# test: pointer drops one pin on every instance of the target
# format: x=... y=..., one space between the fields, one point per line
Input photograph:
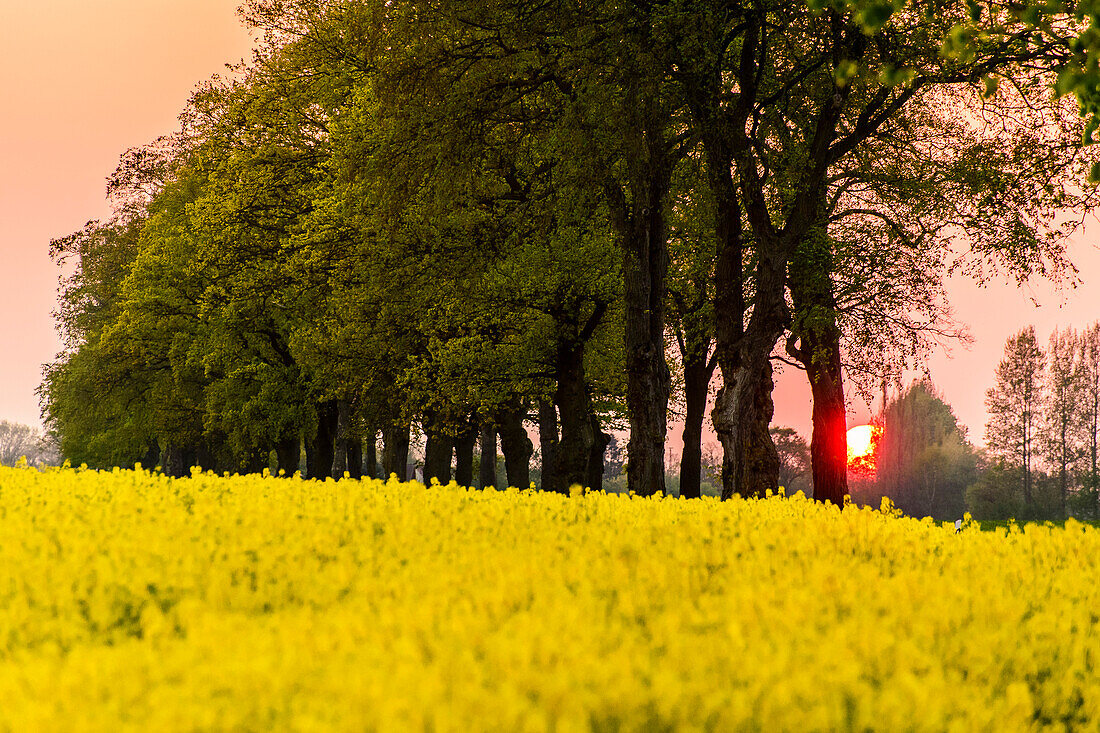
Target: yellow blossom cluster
x=132 y=601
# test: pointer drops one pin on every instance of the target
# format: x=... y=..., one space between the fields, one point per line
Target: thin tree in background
x=1062 y=417
x=1015 y=406
x=1088 y=370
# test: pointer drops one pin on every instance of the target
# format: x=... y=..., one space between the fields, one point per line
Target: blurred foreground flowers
x=133 y=601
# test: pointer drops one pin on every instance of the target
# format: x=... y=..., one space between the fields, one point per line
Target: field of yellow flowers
x=131 y=601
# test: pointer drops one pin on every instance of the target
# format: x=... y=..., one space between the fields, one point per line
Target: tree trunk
x=256 y=460
x=829 y=442
x=370 y=455
x=487 y=464
x=464 y=455
x=309 y=457
x=578 y=435
x=177 y=460
x=288 y=454
x=395 y=450
x=438 y=449
x=152 y=456
x=640 y=229
x=355 y=458
x=645 y=272
x=696 y=386
x=819 y=352
x=743 y=408
x=548 y=446
x=320 y=458
x=340 y=439
x=596 y=456
x=515 y=444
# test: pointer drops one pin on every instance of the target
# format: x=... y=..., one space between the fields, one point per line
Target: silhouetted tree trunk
x=288 y=454
x=395 y=450
x=151 y=459
x=515 y=444
x=548 y=446
x=355 y=458
x=743 y=406
x=464 y=454
x=828 y=444
x=594 y=479
x=322 y=449
x=340 y=439
x=578 y=425
x=178 y=460
x=697 y=373
x=487 y=464
x=438 y=449
x=640 y=228
x=819 y=352
x=256 y=460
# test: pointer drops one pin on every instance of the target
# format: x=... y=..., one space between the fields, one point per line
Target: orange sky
x=82 y=80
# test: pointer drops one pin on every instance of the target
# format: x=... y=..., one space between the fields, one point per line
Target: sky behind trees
x=85 y=81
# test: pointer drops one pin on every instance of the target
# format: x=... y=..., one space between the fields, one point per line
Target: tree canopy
x=456 y=220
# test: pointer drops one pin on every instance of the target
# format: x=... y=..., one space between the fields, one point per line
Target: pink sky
x=83 y=81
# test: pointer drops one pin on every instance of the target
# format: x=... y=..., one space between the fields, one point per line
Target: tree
x=1062 y=419
x=22 y=441
x=691 y=311
x=1088 y=378
x=794 y=459
x=812 y=91
x=996 y=493
x=1015 y=405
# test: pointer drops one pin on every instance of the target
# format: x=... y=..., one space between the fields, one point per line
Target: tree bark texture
x=644 y=245
x=743 y=408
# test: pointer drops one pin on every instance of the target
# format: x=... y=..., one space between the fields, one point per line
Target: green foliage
x=416 y=206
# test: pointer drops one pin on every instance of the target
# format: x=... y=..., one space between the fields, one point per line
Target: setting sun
x=862 y=440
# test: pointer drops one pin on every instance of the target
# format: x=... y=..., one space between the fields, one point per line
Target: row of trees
x=1042 y=439
x=23 y=442
x=1044 y=424
x=477 y=216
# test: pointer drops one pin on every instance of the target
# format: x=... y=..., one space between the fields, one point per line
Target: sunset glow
x=862 y=441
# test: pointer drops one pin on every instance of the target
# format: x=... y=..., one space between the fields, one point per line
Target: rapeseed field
x=131 y=601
